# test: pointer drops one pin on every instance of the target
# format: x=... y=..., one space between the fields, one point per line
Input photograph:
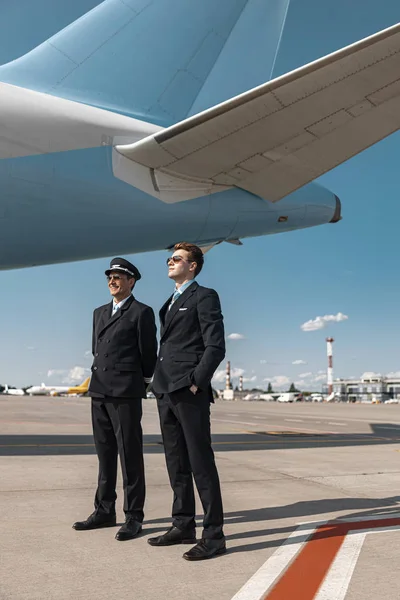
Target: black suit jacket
x=192 y=343
x=124 y=350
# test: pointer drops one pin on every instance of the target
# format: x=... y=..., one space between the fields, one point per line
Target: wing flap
x=283 y=134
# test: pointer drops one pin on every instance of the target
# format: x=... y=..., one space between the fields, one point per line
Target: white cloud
x=76 y=374
x=300 y=383
x=263 y=362
x=305 y=375
x=56 y=372
x=278 y=380
x=30 y=348
x=370 y=375
x=88 y=354
x=393 y=374
x=299 y=362
x=321 y=377
x=237 y=372
x=249 y=379
x=321 y=322
x=236 y=336
x=219 y=376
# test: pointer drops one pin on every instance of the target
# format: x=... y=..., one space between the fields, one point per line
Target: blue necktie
x=175 y=296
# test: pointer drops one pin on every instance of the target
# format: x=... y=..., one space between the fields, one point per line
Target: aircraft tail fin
x=156 y=60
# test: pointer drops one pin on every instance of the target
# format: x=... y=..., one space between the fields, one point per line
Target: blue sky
x=268 y=287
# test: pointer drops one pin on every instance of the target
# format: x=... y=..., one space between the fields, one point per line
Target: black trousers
x=117 y=430
x=185 y=427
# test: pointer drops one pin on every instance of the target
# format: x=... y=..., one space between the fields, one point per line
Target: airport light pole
x=329 y=347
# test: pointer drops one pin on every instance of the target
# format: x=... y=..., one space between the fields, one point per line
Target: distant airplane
x=55 y=390
x=147 y=122
x=79 y=390
x=13 y=391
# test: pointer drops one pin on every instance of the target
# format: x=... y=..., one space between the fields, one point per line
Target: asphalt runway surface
x=250 y=426
x=311 y=495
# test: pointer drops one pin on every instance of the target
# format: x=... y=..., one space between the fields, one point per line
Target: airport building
x=370 y=388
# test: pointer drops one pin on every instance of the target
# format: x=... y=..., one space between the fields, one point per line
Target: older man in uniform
x=125 y=351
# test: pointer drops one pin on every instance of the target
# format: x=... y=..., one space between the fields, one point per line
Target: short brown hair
x=195 y=254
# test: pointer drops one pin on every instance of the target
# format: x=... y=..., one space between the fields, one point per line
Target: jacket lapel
x=108 y=320
x=163 y=311
x=169 y=315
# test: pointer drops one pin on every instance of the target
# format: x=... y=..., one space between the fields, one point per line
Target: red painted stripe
x=304 y=576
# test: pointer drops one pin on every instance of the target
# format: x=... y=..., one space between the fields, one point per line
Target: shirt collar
x=119 y=304
x=184 y=287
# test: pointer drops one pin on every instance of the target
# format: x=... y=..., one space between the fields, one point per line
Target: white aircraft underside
x=82 y=181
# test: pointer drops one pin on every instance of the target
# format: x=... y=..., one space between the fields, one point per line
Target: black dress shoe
x=95 y=521
x=174 y=536
x=129 y=530
x=206 y=549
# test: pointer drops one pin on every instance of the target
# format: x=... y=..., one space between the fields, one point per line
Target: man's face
x=179 y=267
x=119 y=285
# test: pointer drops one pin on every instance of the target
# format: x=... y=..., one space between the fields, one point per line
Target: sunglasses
x=176 y=259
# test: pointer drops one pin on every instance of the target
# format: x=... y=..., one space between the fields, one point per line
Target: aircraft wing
x=279 y=136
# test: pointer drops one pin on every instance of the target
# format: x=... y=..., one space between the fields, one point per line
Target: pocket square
x=183 y=309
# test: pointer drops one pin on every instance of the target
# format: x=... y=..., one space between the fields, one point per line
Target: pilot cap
x=123 y=265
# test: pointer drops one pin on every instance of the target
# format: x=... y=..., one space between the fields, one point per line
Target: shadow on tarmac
x=41 y=445
x=378 y=507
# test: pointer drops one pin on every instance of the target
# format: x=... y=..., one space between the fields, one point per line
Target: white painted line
x=216 y=420
x=231 y=415
x=340 y=424
x=263 y=580
x=338 y=578
x=381 y=529
x=339 y=520
x=294 y=420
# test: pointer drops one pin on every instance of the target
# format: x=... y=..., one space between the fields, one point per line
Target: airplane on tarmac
x=78 y=390
x=56 y=390
x=13 y=391
x=145 y=122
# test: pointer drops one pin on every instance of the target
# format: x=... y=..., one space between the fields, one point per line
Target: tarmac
x=311 y=496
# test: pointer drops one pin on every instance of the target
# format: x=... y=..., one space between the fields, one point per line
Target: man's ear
x=193 y=266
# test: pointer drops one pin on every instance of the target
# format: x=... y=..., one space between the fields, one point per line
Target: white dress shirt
x=117 y=305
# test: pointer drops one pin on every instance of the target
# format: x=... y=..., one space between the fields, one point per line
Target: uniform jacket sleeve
x=147 y=342
x=212 y=330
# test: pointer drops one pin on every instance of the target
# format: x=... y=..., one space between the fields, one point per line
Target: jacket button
x=161 y=358
x=106 y=356
x=104 y=368
x=100 y=339
x=108 y=341
x=94 y=368
x=96 y=354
